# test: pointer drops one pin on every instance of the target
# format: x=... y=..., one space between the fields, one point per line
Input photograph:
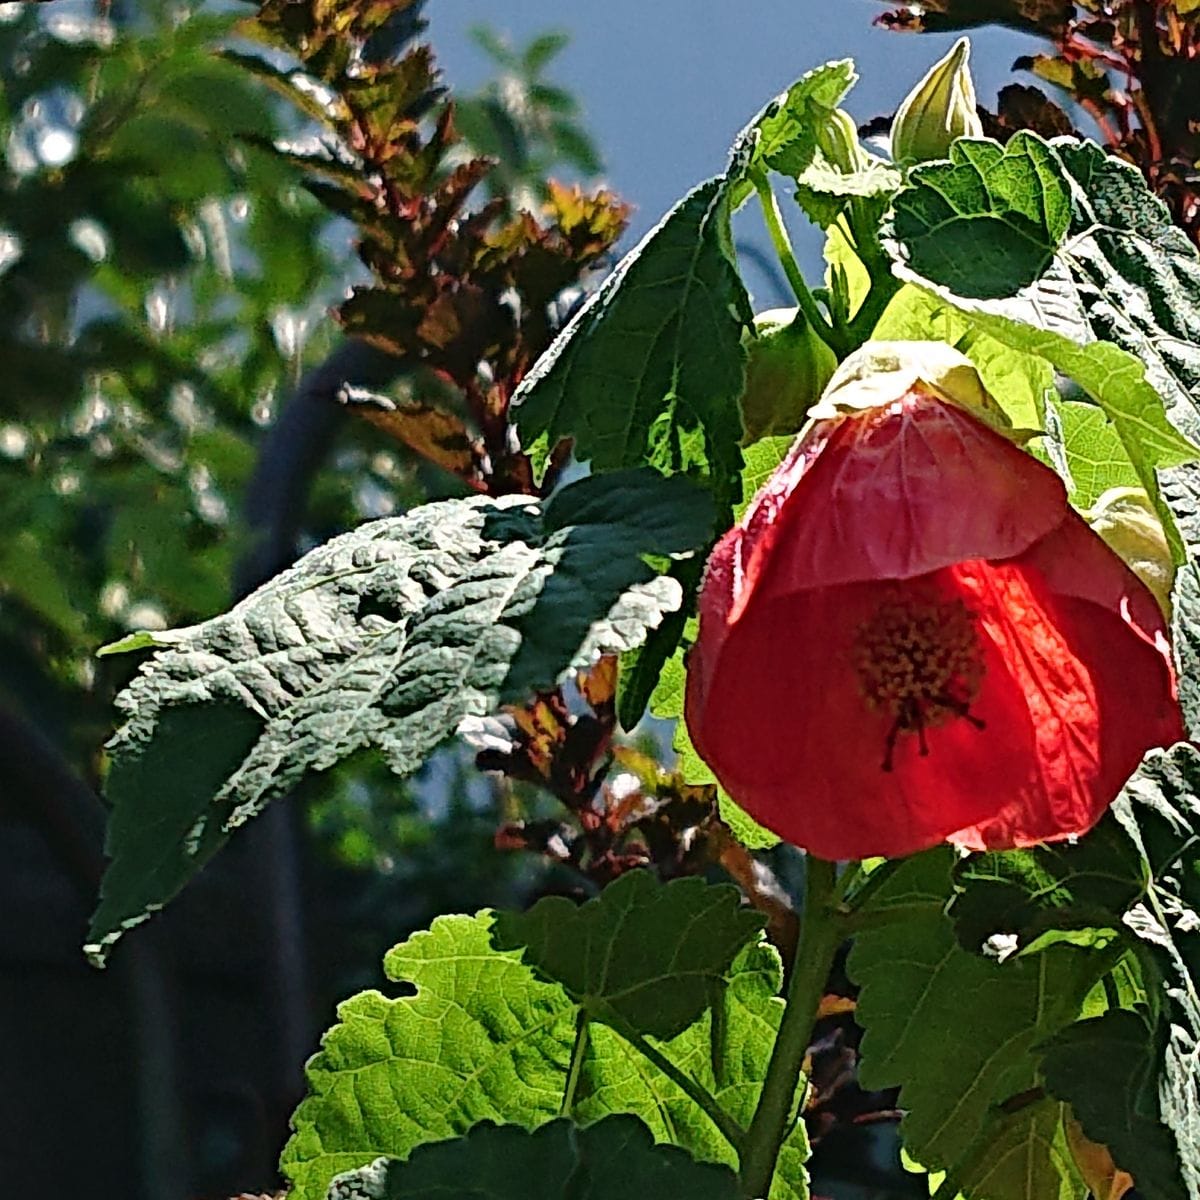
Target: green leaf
x=312 y=97
x=1131 y=1074
x=30 y=574
x=1063 y=252
x=1086 y=449
x=787 y=129
x=762 y=459
x=726 y=1052
x=482 y=1039
x=559 y=1161
x=987 y=223
x=642 y=668
x=667 y=702
x=1062 y=886
x=1027 y=1157
x=381 y=1085
x=1149 y=1073
x=957 y=1072
x=195 y=748
x=537 y=55
x=1021 y=383
x=391 y=636
x=1108 y=1067
x=651 y=368
x=641 y=956
x=1181 y=492
x=823 y=189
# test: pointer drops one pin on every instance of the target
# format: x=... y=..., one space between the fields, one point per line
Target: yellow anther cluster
x=918 y=658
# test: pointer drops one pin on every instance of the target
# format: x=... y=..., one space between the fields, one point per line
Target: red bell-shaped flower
x=911 y=638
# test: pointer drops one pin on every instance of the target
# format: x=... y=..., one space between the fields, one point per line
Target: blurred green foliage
x=165 y=281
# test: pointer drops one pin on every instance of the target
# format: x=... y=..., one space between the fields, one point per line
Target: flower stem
x=820 y=936
x=787 y=259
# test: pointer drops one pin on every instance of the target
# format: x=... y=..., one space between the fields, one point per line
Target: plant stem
x=820 y=936
x=577 y=1055
x=787 y=259
x=731 y=1131
x=863 y=323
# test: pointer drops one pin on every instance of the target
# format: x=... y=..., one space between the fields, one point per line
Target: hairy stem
x=787 y=259
x=820 y=936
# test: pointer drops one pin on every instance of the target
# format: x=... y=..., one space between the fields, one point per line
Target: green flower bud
x=839 y=143
x=939 y=109
x=786 y=371
x=1125 y=518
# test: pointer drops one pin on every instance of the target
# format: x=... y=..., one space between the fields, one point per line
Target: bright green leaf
x=1020 y=383
x=482 y=1039
x=787 y=129
x=1086 y=448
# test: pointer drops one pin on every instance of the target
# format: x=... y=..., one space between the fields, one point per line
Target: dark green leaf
x=391 y=636
x=650 y=369
x=1108 y=1068
x=1181 y=492
x=641 y=956
x=180 y=772
x=559 y=1161
x=542 y=49
x=1062 y=886
x=955 y=1071
x=310 y=96
x=1062 y=251
x=1133 y=1078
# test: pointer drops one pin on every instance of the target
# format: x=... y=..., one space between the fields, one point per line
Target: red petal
x=1099 y=690
x=1077 y=684
x=893 y=494
x=783 y=723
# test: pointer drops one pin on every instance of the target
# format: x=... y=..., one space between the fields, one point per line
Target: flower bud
x=939 y=109
x=1125 y=518
x=786 y=371
x=839 y=143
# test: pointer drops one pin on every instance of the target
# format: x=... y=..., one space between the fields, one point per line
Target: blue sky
x=666 y=84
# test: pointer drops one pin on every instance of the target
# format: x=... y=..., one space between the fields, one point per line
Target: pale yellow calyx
x=1125 y=518
x=880 y=373
x=939 y=109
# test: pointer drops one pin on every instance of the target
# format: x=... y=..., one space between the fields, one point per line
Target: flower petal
x=1099 y=693
x=781 y=718
x=895 y=493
